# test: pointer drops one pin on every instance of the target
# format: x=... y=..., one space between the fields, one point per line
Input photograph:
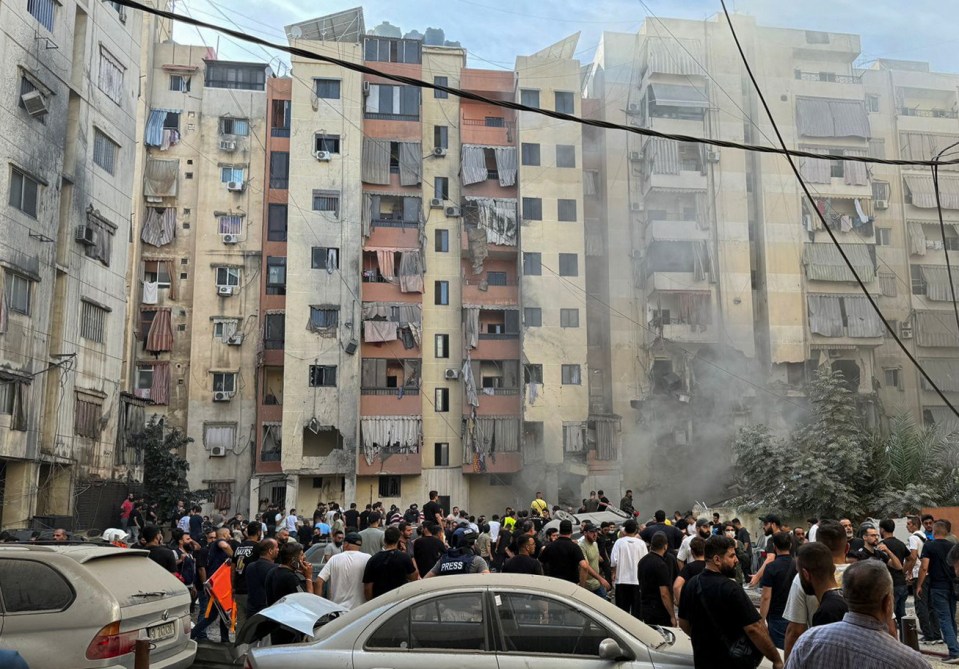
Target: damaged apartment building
x=735 y=287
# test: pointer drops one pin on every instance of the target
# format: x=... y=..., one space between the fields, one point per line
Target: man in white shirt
x=344 y=574
x=624 y=559
x=813 y=529
x=703 y=530
x=290 y=523
x=928 y=621
x=494 y=529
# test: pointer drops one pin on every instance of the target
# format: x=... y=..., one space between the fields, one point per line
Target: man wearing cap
x=772 y=525
x=590 y=547
x=344 y=574
x=460 y=560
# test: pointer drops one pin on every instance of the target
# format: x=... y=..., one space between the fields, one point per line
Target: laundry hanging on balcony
x=392 y=434
x=156 y=133
x=160 y=178
x=411 y=272
x=159 y=228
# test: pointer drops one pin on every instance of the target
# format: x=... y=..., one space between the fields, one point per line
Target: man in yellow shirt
x=539 y=507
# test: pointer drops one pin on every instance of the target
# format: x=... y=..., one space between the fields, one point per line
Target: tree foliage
x=830 y=465
x=164 y=470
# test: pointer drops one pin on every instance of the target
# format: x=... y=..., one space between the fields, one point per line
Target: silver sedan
x=489 y=621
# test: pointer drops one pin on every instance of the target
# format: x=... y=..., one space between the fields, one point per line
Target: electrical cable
x=822 y=218
x=942 y=229
x=516 y=106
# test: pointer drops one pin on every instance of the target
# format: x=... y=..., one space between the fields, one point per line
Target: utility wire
x=822 y=218
x=516 y=106
x=942 y=229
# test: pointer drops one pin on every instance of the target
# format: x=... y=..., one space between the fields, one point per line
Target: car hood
x=299 y=611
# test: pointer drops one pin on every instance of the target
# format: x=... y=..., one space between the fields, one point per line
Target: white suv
x=85 y=606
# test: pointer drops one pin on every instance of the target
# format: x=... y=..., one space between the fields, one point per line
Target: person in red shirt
x=125 y=510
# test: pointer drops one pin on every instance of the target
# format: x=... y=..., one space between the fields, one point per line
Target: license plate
x=163 y=631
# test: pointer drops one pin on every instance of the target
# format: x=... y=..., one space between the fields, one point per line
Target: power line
x=822 y=218
x=942 y=230
x=516 y=106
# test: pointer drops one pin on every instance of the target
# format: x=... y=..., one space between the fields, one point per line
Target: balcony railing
x=273 y=344
x=829 y=77
x=494 y=282
x=492 y=122
x=499 y=392
x=499 y=335
x=280 y=132
x=406 y=390
x=928 y=113
x=391 y=223
x=270 y=456
x=376 y=116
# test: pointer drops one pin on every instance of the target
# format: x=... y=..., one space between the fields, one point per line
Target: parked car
x=611 y=515
x=494 y=621
x=80 y=606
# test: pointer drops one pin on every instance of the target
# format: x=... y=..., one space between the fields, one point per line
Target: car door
x=441 y=630
x=541 y=630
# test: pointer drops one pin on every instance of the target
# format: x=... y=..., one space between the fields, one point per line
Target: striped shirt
x=858 y=641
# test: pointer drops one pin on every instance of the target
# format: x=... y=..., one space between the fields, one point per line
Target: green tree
x=164 y=470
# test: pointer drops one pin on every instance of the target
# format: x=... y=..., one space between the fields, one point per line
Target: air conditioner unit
x=452 y=374
x=453 y=212
x=882 y=204
x=222 y=396
x=235 y=340
x=436 y=203
x=633 y=108
x=34 y=103
x=217 y=452
x=152 y=199
x=366 y=88
x=635 y=155
x=227 y=145
x=86 y=235
x=637 y=206
x=439 y=152
x=236 y=186
x=230 y=239
x=224 y=291
x=712 y=156
x=323 y=156
x=905 y=331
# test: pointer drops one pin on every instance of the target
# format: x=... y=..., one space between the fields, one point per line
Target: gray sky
x=495 y=32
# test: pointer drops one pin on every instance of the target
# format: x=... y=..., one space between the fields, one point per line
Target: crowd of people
x=832 y=594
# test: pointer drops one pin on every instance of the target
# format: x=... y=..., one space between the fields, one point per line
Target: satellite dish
x=314 y=425
x=296 y=32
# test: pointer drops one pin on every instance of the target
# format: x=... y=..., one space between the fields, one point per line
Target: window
x=327 y=200
x=564 y=102
x=144 y=381
x=837 y=168
x=236 y=76
x=327 y=258
x=533 y=317
x=918 y=280
x=327 y=89
x=43 y=11
x=110 y=79
x=533 y=624
x=92 y=321
x=272 y=449
x=571 y=375
x=324 y=317
x=441 y=292
x=17 y=293
x=441 y=188
x=280 y=118
x=322 y=376
x=533 y=374
x=156 y=271
x=872 y=103
x=234 y=126
x=532 y=264
x=815 y=37
x=274 y=331
x=532 y=209
x=496 y=278
x=566 y=210
x=494 y=122
x=441 y=81
x=276 y=227
x=569 y=318
x=225 y=328
x=568 y=264
x=105 y=152
x=280 y=169
x=24 y=190
x=530 y=154
x=87 y=413
x=429 y=624
x=232 y=174
x=180 y=83
x=441 y=344
x=229 y=225
x=877 y=148
x=389 y=486
x=529 y=97
x=400 y=103
x=224 y=382
x=276 y=275
x=441 y=136
x=27 y=86
x=392 y=50
x=565 y=155
x=442 y=241
x=893 y=377
x=887 y=284
x=227 y=276
x=30 y=586
x=328 y=143
x=883 y=236
x=441 y=454
x=441 y=400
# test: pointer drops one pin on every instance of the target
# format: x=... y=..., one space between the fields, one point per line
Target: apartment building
x=69 y=143
x=195 y=281
x=725 y=292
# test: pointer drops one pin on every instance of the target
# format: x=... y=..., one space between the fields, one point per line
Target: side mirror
x=610 y=650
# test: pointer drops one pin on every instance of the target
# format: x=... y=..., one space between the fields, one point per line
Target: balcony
x=491 y=130
x=928 y=113
x=494 y=251
x=497 y=463
x=489 y=83
x=396 y=463
x=828 y=77
x=675 y=231
x=480 y=290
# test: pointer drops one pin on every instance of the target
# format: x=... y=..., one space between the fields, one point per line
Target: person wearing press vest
x=460 y=560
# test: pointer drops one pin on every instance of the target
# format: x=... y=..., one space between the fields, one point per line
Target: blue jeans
x=777 y=630
x=601 y=591
x=944 y=604
x=900 y=595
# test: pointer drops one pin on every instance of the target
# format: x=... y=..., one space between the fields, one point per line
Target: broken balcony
x=683 y=317
x=390 y=445
x=681 y=266
x=673 y=165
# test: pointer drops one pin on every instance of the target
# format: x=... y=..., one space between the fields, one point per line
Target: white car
x=81 y=606
x=480 y=621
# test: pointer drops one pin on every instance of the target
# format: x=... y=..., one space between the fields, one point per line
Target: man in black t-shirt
x=523 y=562
x=256 y=572
x=292 y=574
x=365 y=517
x=674 y=537
x=817 y=576
x=697 y=547
x=937 y=568
x=351 y=518
x=432 y=511
x=776 y=582
x=563 y=558
x=900 y=551
x=243 y=556
x=388 y=569
x=428 y=548
x=162 y=555
x=713 y=607
x=655 y=584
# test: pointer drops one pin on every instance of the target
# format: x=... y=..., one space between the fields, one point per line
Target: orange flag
x=220 y=587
